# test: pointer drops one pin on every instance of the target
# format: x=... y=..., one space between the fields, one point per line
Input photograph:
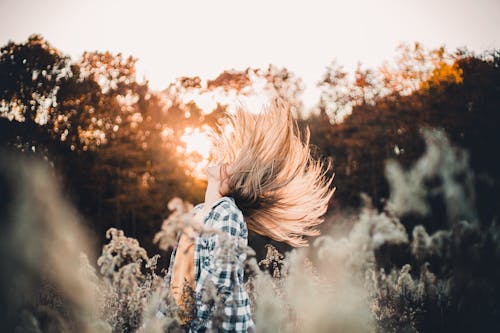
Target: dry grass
x=385 y=273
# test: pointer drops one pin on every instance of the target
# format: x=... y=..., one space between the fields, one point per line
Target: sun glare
x=196 y=145
x=252 y=97
x=197 y=149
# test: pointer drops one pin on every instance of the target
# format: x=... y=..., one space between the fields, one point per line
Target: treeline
x=458 y=92
x=114 y=142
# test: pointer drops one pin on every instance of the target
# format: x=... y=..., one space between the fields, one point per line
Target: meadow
x=98 y=174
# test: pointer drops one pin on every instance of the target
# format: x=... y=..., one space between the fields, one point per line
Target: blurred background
x=117 y=96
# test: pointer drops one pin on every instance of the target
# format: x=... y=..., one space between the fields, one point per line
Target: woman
x=264 y=180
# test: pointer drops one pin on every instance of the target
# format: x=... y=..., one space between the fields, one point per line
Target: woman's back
x=218 y=269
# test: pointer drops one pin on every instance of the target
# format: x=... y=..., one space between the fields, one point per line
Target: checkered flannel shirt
x=225 y=275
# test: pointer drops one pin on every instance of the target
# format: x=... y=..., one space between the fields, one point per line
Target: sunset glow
x=197 y=149
x=253 y=96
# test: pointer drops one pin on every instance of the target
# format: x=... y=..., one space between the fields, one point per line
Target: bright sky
x=187 y=38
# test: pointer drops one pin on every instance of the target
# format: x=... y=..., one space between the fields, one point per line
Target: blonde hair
x=282 y=191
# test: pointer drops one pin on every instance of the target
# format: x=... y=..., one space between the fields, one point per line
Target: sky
x=204 y=38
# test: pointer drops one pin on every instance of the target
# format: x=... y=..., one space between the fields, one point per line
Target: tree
x=30 y=74
x=457 y=96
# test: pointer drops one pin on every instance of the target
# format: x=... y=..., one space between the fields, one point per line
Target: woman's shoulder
x=222 y=204
x=227 y=206
x=226 y=216
x=227 y=203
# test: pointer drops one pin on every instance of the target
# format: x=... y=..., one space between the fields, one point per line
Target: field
x=98 y=172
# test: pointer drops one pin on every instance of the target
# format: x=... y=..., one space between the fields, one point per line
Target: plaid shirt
x=220 y=268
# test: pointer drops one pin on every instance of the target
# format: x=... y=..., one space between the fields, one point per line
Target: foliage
x=102 y=131
x=116 y=144
x=386 y=274
x=457 y=92
x=41 y=289
x=423 y=256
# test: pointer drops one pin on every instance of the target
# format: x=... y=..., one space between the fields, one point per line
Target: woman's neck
x=212 y=193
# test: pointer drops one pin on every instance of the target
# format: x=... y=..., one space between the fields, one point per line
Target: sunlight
x=197 y=141
x=197 y=149
x=206 y=101
x=252 y=97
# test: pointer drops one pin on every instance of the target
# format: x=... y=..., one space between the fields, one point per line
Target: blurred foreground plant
x=41 y=240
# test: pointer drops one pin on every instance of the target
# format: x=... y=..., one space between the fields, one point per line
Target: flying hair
x=282 y=191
